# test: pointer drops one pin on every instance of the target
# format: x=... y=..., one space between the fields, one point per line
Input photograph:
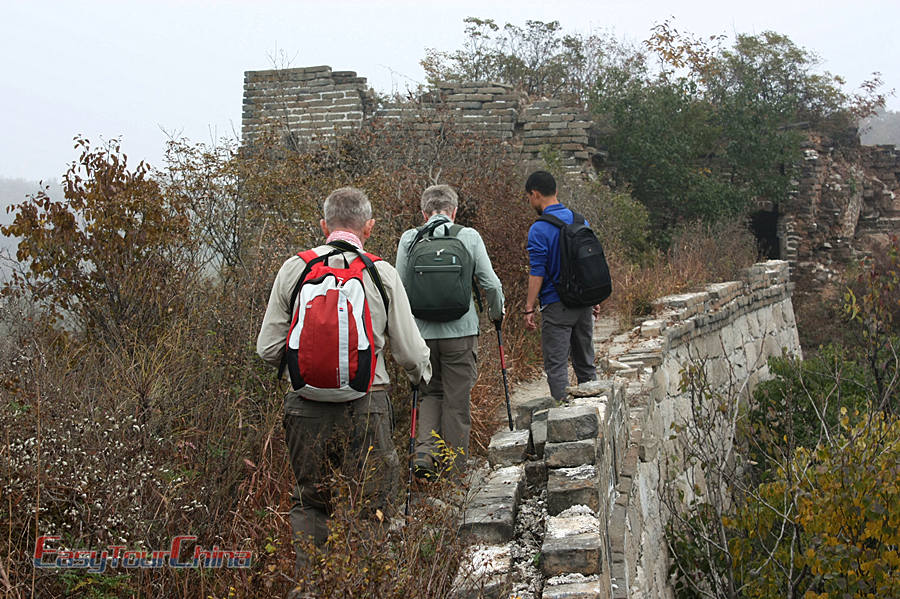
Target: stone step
x=572 y=586
x=573 y=423
x=572 y=543
x=571 y=453
x=490 y=515
x=567 y=487
x=524 y=412
x=483 y=572
x=508 y=448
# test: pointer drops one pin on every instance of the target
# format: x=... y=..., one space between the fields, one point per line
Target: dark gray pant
x=444 y=405
x=351 y=440
x=567 y=332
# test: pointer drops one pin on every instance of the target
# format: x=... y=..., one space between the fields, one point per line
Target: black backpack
x=439 y=274
x=583 y=273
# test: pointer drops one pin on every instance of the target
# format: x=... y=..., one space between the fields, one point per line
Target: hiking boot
x=423 y=467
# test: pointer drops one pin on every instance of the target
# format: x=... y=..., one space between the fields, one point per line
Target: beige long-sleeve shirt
x=396 y=323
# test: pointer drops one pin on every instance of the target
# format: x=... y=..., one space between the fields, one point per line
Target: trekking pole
x=412 y=443
x=497 y=324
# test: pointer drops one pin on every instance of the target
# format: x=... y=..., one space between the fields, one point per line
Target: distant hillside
x=883 y=128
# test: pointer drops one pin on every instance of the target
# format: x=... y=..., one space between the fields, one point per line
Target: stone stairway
x=560 y=461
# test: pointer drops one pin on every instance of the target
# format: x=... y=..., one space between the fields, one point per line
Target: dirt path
x=604 y=328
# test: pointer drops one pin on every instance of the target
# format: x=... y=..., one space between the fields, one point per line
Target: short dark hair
x=543 y=182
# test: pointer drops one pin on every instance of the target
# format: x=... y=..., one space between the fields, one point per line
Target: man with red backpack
x=330 y=313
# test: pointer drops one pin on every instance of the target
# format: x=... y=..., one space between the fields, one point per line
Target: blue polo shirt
x=543 y=252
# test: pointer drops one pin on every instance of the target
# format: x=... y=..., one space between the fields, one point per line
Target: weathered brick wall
x=310 y=105
x=306 y=105
x=847 y=200
x=733 y=328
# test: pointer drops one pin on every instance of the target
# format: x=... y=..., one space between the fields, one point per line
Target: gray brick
x=569 y=454
x=572 y=486
x=573 y=423
x=509 y=447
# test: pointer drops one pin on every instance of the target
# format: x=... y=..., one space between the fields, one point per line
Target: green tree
x=538 y=59
x=715 y=128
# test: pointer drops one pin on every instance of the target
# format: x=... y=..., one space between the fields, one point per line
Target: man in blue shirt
x=564 y=331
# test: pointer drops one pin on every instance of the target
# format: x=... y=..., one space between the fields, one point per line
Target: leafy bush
x=808 y=505
x=811 y=394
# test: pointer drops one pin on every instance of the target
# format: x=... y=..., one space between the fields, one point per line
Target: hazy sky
x=140 y=70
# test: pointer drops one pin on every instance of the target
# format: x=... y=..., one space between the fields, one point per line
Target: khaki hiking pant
x=350 y=439
x=444 y=401
x=567 y=332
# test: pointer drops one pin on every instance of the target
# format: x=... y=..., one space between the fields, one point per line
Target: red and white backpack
x=330 y=348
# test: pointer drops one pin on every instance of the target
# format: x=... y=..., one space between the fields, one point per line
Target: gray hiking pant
x=444 y=404
x=567 y=332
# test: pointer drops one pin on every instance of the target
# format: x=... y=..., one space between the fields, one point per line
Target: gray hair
x=347 y=208
x=439 y=198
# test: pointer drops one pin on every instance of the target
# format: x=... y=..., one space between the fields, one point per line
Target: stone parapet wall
x=563 y=128
x=603 y=460
x=731 y=328
x=305 y=105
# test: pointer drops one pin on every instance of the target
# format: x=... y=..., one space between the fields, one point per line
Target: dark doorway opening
x=764 y=224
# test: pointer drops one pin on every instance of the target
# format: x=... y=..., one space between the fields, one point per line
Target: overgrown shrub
x=699 y=254
x=148 y=415
x=808 y=504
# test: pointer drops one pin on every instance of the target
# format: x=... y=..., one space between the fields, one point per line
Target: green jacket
x=487 y=280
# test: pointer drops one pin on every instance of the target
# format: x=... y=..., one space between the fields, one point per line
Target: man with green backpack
x=439 y=264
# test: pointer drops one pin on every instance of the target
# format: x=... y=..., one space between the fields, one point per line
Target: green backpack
x=439 y=274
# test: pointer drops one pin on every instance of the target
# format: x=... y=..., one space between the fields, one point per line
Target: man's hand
x=529 y=320
x=595 y=310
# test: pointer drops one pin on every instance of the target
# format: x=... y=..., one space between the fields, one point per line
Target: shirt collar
x=344 y=236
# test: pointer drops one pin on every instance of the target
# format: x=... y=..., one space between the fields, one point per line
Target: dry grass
x=700 y=254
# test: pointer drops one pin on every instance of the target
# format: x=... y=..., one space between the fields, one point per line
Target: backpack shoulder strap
x=311 y=258
x=553 y=220
x=453 y=230
x=427 y=229
x=369 y=261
